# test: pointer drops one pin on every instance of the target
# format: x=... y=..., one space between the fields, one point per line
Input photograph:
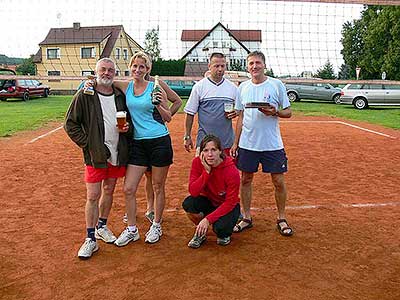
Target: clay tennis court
x=344 y=204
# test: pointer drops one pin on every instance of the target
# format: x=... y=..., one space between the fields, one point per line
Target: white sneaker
x=87 y=249
x=224 y=241
x=105 y=235
x=154 y=234
x=126 y=237
x=196 y=241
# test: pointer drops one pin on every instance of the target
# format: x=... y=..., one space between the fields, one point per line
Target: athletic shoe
x=154 y=234
x=223 y=241
x=126 y=237
x=150 y=216
x=125 y=218
x=105 y=235
x=196 y=241
x=87 y=249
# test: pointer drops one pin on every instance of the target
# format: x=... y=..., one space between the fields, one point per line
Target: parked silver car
x=312 y=91
x=363 y=95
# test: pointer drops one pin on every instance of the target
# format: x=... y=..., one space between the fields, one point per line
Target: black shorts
x=151 y=152
x=223 y=227
x=271 y=161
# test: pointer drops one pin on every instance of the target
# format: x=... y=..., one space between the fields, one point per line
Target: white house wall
x=219 y=40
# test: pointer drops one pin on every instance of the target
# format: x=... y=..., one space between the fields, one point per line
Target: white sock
x=156 y=224
x=132 y=228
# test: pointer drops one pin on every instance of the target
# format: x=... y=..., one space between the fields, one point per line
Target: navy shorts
x=271 y=161
x=155 y=152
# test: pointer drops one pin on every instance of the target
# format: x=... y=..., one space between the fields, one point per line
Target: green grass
x=16 y=115
x=385 y=116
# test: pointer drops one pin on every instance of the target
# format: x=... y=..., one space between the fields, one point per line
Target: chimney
x=77 y=26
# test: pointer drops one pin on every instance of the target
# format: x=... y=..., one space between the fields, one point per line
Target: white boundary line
x=43 y=135
x=344 y=123
x=305 y=207
x=328 y=122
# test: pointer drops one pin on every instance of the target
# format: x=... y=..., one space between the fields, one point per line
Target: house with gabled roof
x=75 y=51
x=198 y=45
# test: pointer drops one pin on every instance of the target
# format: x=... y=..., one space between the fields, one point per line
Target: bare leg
x=149 y=192
x=93 y=194
x=106 y=199
x=132 y=179
x=280 y=193
x=280 y=197
x=159 y=178
x=246 y=193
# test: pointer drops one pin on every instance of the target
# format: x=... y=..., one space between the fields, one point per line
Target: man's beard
x=105 y=81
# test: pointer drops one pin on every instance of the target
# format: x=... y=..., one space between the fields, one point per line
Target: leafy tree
x=236 y=66
x=345 y=72
x=27 y=67
x=269 y=72
x=152 y=43
x=326 y=71
x=373 y=42
x=168 y=67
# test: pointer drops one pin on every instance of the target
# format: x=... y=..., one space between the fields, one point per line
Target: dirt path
x=339 y=251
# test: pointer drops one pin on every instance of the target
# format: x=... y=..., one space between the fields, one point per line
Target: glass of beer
x=121 y=119
x=228 y=108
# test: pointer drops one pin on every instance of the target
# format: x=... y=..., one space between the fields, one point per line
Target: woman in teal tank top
x=151 y=146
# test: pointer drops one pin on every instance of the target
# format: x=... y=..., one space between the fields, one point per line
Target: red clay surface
x=337 y=252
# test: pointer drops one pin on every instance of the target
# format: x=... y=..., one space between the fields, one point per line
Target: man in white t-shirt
x=91 y=123
x=258 y=140
x=210 y=98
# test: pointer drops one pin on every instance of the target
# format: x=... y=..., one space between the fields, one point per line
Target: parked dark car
x=21 y=88
x=181 y=87
x=313 y=91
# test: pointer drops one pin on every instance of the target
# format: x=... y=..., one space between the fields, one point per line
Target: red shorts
x=93 y=175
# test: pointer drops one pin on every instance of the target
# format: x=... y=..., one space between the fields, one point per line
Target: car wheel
x=25 y=96
x=46 y=93
x=292 y=97
x=360 y=103
x=336 y=99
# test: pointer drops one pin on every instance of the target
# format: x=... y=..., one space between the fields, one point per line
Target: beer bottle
x=156 y=89
x=90 y=89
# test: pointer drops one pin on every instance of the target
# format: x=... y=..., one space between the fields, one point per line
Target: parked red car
x=21 y=88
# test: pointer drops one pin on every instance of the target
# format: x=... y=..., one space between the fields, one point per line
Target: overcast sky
x=295 y=36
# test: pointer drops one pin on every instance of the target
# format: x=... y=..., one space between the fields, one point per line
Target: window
x=392 y=86
x=126 y=73
x=117 y=72
x=372 y=87
x=88 y=52
x=125 y=54
x=354 y=86
x=53 y=73
x=117 y=53
x=86 y=73
x=53 y=53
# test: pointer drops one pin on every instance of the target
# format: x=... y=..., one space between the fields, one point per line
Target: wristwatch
x=186 y=137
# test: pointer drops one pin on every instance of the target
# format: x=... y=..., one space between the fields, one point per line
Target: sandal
x=285 y=230
x=239 y=228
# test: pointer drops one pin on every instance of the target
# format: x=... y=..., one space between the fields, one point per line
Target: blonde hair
x=142 y=55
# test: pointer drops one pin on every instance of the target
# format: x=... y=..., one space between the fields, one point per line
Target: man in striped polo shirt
x=208 y=98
